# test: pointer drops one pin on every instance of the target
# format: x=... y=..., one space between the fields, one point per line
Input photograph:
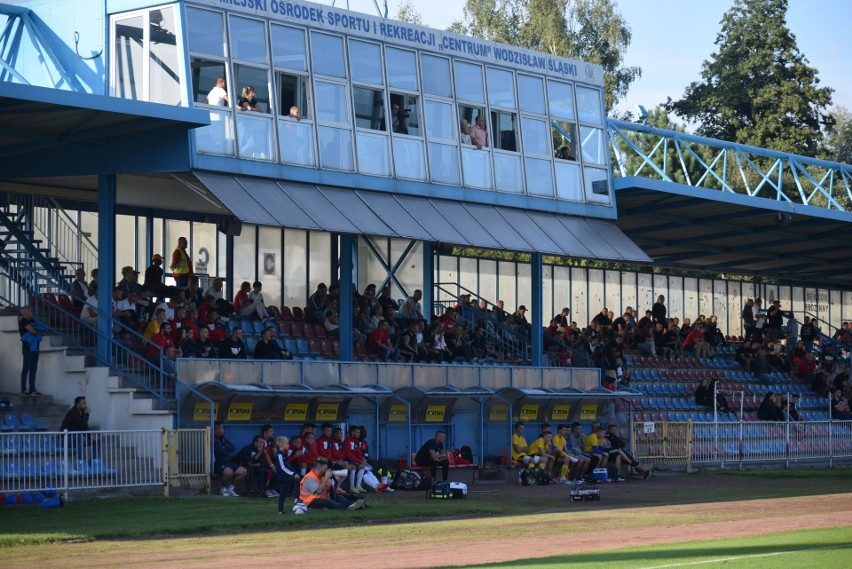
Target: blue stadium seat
x=13 y=471
x=251 y=344
x=15 y=423
x=99 y=467
x=257 y=327
x=302 y=346
x=29 y=421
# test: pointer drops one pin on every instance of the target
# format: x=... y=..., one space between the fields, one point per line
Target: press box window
x=436 y=75
x=204 y=74
x=365 y=62
x=504 y=130
x=402 y=69
x=206 y=32
x=255 y=78
x=408 y=119
x=469 y=85
x=564 y=139
x=248 y=40
x=369 y=108
x=293 y=91
x=327 y=55
x=288 y=48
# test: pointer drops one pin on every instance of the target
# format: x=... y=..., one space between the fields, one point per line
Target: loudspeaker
x=230 y=226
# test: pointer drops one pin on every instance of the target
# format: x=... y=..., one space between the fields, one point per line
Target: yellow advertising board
x=529 y=412
x=398 y=414
x=588 y=412
x=498 y=412
x=560 y=412
x=327 y=411
x=435 y=413
x=240 y=411
x=202 y=411
x=296 y=412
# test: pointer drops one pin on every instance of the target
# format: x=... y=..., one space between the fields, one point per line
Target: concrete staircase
x=62 y=376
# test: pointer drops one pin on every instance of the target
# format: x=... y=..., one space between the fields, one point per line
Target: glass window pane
x=501 y=88
x=269 y=257
x=436 y=75
x=204 y=76
x=507 y=173
x=369 y=108
x=440 y=120
x=248 y=40
x=504 y=130
x=535 y=137
x=288 y=48
x=531 y=93
x=128 y=58
x=249 y=78
x=564 y=139
x=476 y=165
x=408 y=158
x=296 y=142
x=164 y=80
x=327 y=55
x=405 y=115
x=365 y=62
x=568 y=185
x=597 y=185
x=561 y=98
x=335 y=147
x=444 y=163
x=218 y=136
x=331 y=102
x=589 y=105
x=591 y=142
x=402 y=68
x=469 y=82
x=539 y=177
x=295 y=267
x=372 y=153
x=206 y=32
x=293 y=92
x=254 y=133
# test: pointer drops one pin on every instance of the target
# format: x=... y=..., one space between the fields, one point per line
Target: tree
x=838 y=142
x=409 y=14
x=589 y=30
x=758 y=89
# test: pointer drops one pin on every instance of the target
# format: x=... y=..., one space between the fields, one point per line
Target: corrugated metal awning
x=361 y=212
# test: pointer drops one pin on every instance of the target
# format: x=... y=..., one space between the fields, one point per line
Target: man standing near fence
x=76 y=421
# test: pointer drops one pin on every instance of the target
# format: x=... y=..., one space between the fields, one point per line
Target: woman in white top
x=465 y=132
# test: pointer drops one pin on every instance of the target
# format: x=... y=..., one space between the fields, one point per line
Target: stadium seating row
x=55 y=469
x=26 y=423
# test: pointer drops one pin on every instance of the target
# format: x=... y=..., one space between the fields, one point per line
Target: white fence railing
x=743 y=442
x=65 y=461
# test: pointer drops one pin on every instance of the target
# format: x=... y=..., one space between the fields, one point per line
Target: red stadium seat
x=319 y=332
x=285 y=313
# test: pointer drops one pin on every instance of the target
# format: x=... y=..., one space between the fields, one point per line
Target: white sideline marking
x=738 y=557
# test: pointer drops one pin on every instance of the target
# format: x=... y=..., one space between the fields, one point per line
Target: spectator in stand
x=201 y=347
x=129 y=281
x=216 y=329
x=840 y=407
x=233 y=347
x=257 y=463
x=331 y=317
x=181 y=264
x=480 y=345
x=745 y=355
x=269 y=349
x=809 y=333
x=385 y=299
x=79 y=289
x=174 y=301
x=704 y=396
x=158 y=342
x=248 y=100
x=842 y=379
x=155 y=323
x=465 y=132
x=77 y=421
x=154 y=277
x=380 y=345
x=224 y=466
x=216 y=290
x=565 y=153
x=353 y=456
x=411 y=311
x=286 y=477
x=518 y=320
x=217 y=96
x=193 y=293
x=248 y=302
x=761 y=368
x=774 y=320
x=618 y=451
x=407 y=345
x=791 y=331
x=811 y=372
x=769 y=409
x=315 y=490
x=169 y=362
x=317 y=304
x=479 y=133
x=696 y=341
x=432 y=455
x=440 y=350
x=499 y=313
x=747 y=315
x=658 y=311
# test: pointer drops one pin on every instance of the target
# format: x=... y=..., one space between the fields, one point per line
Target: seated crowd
x=279 y=467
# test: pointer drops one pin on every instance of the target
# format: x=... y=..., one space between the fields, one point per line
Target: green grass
x=143 y=517
x=798 y=474
x=801 y=549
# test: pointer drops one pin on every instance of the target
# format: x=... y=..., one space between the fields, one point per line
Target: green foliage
x=838 y=142
x=589 y=30
x=409 y=14
x=758 y=89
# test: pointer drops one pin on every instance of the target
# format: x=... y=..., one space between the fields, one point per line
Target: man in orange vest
x=181 y=265
x=317 y=492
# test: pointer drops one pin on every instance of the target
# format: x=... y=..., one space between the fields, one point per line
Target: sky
x=672 y=38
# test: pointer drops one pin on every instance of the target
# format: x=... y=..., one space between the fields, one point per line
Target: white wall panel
x=596 y=292
x=547 y=294
x=562 y=289
x=580 y=301
x=705 y=298
x=613 y=292
x=644 y=294
x=507 y=285
x=524 y=294
x=628 y=289
x=488 y=280
x=735 y=303
x=674 y=302
x=690 y=298
x=720 y=304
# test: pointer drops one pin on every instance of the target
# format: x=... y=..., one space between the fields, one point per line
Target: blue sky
x=671 y=39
